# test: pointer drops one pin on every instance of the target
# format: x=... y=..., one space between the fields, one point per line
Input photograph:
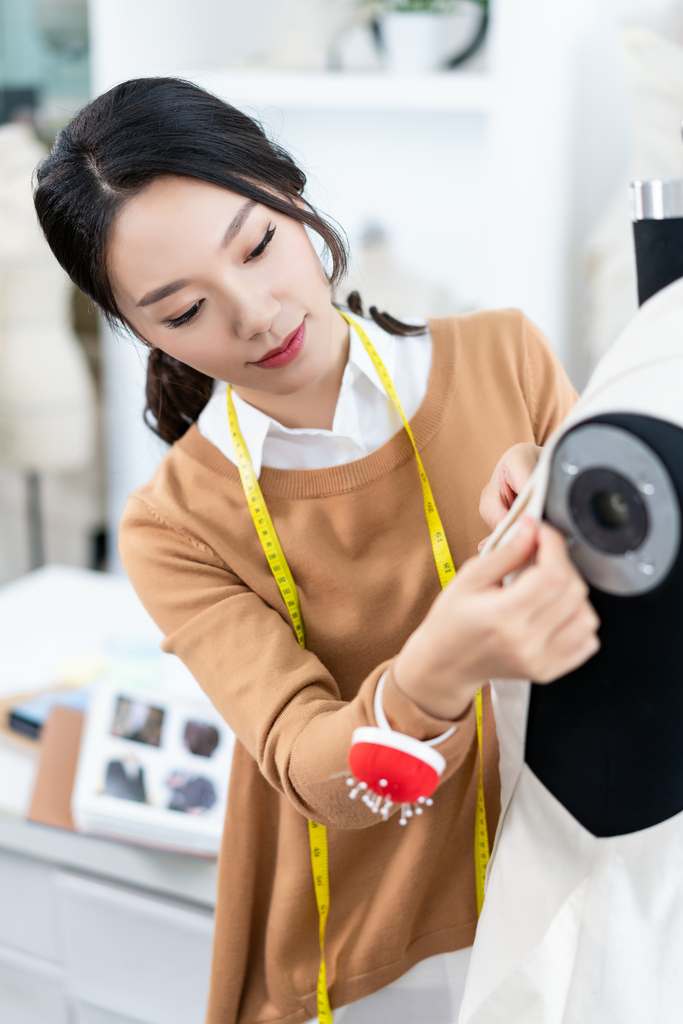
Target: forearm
x=428 y=676
x=320 y=751
x=286 y=710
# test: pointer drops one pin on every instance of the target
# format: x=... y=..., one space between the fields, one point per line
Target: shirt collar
x=256 y=425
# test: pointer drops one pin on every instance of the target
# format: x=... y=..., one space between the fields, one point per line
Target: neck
x=315 y=406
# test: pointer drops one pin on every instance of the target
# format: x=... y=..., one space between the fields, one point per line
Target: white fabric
x=577 y=929
x=364 y=419
x=429 y=993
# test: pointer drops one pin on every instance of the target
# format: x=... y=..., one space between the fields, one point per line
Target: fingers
x=496 y=500
x=556 y=624
x=553 y=578
x=540 y=627
x=552 y=547
x=492 y=568
x=572 y=645
x=559 y=612
x=575 y=630
x=518 y=465
x=507 y=481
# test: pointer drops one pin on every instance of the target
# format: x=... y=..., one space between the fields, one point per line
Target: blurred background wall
x=500 y=182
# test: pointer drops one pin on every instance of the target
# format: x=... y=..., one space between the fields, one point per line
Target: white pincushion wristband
x=392 y=768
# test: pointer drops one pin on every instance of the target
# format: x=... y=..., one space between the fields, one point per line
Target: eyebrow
x=162 y=293
x=234 y=228
x=237 y=222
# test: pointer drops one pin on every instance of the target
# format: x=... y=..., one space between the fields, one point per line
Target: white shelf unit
x=482 y=181
x=450 y=91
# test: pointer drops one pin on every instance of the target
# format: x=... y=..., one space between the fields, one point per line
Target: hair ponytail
x=386 y=321
x=175 y=394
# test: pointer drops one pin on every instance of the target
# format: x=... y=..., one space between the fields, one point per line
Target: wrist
x=437 y=690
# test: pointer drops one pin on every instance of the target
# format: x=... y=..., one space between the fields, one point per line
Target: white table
x=91 y=932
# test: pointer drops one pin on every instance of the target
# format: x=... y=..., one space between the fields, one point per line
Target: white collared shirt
x=364 y=418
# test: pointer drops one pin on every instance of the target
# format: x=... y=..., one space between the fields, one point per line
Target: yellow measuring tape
x=317 y=834
x=317 y=840
x=481 y=832
x=267 y=535
x=264 y=525
x=440 y=549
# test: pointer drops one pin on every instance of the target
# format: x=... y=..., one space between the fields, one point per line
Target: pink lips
x=289 y=349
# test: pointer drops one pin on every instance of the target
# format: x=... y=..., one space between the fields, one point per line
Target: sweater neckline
x=320 y=483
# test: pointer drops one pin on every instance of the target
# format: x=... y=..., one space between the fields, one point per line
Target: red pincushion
x=406 y=778
x=394 y=768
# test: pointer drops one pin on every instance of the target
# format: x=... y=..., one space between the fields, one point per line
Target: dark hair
x=117 y=145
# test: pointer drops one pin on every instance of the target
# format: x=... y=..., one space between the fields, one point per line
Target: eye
x=185 y=318
x=262 y=246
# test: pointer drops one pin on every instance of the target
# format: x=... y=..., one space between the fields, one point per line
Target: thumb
x=494 y=566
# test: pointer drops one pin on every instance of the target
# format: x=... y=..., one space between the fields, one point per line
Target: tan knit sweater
x=358 y=546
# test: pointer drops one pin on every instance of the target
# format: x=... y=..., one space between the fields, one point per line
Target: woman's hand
x=507 y=480
x=539 y=627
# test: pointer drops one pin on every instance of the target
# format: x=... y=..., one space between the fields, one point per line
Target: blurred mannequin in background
x=47 y=401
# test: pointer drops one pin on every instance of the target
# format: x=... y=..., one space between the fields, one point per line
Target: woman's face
x=225 y=285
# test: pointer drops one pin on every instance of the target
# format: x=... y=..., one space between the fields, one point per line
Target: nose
x=252 y=310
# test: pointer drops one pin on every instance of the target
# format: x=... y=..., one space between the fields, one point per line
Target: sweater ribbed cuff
x=405 y=716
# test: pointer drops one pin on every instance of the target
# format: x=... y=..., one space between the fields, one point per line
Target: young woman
x=179 y=218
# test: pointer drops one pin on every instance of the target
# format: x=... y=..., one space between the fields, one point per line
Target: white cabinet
x=27 y=907
x=31 y=977
x=76 y=949
x=84 y=1014
x=31 y=990
x=144 y=958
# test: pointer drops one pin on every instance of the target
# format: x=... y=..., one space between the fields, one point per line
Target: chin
x=303 y=376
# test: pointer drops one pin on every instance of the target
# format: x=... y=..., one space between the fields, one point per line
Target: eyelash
x=191 y=313
x=185 y=318
x=262 y=246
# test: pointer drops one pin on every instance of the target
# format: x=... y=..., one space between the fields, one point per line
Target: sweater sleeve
x=279 y=699
x=549 y=393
